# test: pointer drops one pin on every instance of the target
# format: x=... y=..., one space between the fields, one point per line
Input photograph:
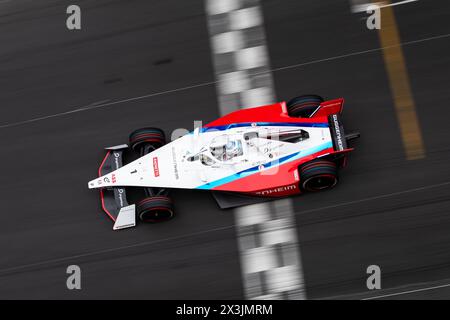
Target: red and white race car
x=245 y=157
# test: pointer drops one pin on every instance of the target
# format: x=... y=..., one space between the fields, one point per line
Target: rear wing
x=114 y=199
x=337 y=132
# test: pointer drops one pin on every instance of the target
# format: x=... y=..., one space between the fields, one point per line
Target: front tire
x=150 y=137
x=318 y=175
x=155 y=209
x=303 y=106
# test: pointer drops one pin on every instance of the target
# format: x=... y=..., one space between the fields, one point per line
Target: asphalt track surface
x=142 y=63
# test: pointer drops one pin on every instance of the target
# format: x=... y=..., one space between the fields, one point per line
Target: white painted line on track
x=283 y=279
x=228 y=41
x=224 y=6
x=361 y=6
x=256 y=96
x=233 y=82
x=398 y=3
x=249 y=58
x=245 y=18
x=253 y=217
x=407 y=292
x=276 y=233
x=64 y=259
x=258 y=259
x=266 y=231
x=394 y=291
x=215 y=82
x=388 y=195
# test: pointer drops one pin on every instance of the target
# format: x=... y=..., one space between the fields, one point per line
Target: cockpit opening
x=227 y=151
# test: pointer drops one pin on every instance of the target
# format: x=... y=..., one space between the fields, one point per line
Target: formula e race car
x=248 y=156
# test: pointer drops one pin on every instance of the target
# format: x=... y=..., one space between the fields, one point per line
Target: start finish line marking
x=267 y=237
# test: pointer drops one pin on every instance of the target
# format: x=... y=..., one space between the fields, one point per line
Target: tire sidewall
x=304 y=103
x=156 y=134
x=153 y=204
x=309 y=180
x=317 y=169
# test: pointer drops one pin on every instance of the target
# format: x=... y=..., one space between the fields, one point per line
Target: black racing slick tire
x=155 y=209
x=303 y=106
x=147 y=136
x=318 y=175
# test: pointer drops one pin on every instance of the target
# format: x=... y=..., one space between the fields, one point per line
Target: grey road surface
x=67 y=94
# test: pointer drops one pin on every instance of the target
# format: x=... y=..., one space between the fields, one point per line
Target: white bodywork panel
x=126 y=218
x=171 y=166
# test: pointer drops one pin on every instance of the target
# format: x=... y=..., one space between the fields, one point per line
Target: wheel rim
x=156 y=144
x=156 y=215
x=320 y=182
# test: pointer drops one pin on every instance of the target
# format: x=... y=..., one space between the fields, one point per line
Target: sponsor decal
x=338 y=133
x=116 y=159
x=277 y=190
x=113 y=178
x=155 y=167
x=120 y=196
x=175 y=164
x=296 y=175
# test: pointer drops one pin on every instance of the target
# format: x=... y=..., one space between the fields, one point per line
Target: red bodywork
x=286 y=180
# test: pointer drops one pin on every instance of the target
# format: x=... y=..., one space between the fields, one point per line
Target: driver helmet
x=232 y=149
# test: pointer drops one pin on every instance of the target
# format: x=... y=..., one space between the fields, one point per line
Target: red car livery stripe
x=282 y=175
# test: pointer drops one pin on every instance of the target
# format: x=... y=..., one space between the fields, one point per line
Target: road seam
x=90 y=107
x=407 y=292
x=364 y=5
x=251 y=241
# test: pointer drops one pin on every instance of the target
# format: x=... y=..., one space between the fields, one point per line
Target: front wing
x=114 y=199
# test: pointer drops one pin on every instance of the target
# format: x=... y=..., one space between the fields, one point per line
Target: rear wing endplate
x=337 y=132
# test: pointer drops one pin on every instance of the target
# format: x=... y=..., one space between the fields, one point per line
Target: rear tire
x=153 y=137
x=303 y=106
x=318 y=175
x=155 y=209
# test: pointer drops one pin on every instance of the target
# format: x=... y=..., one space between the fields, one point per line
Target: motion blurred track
x=405 y=234
x=48 y=212
x=386 y=211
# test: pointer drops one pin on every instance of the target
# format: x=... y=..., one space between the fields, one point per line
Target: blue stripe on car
x=266 y=124
x=253 y=170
